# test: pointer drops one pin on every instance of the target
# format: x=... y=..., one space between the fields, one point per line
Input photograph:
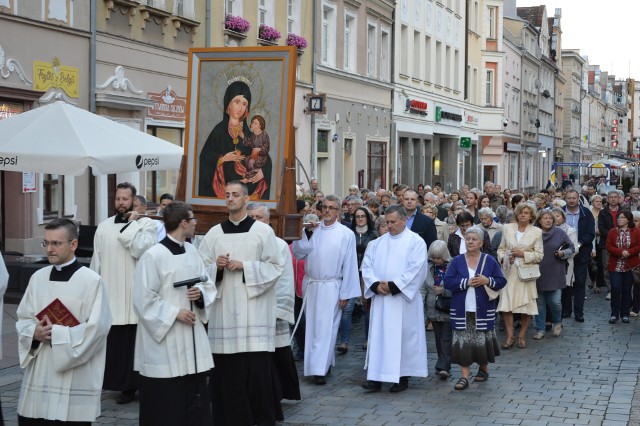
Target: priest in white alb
x=63 y=364
x=393 y=270
x=243 y=255
x=331 y=279
x=172 y=349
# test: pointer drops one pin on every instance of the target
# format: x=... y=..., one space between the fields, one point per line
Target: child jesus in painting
x=259 y=144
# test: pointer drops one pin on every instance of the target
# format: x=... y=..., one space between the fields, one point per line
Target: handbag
x=443 y=304
x=528 y=272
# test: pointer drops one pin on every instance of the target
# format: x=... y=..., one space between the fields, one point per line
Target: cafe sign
x=167 y=106
x=54 y=75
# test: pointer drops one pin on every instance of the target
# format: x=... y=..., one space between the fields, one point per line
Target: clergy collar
x=180 y=243
x=238 y=222
x=121 y=219
x=60 y=267
x=65 y=271
x=324 y=224
x=173 y=245
x=399 y=235
x=232 y=227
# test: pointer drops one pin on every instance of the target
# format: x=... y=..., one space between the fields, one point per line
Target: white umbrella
x=62 y=139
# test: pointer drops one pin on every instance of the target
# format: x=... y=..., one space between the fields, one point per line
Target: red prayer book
x=58 y=314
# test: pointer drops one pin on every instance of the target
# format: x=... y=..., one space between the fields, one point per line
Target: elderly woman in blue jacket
x=474 y=279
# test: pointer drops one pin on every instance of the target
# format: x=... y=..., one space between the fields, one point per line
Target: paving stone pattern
x=587 y=376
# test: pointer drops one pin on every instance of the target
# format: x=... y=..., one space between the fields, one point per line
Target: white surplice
x=331 y=274
x=164 y=345
x=63 y=380
x=243 y=316
x=397 y=340
x=114 y=258
x=285 y=292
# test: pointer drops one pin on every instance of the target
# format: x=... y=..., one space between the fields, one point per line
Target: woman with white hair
x=470 y=278
x=439 y=258
x=490 y=226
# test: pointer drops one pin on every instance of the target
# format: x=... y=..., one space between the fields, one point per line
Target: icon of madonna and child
x=236 y=149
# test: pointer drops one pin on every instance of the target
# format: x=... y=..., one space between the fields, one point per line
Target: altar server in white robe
x=243 y=255
x=285 y=293
x=331 y=279
x=4 y=282
x=63 y=365
x=393 y=269
x=118 y=244
x=173 y=378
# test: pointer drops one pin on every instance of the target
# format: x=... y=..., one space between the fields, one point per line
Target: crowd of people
x=203 y=334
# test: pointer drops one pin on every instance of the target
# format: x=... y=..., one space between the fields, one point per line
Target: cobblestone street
x=588 y=375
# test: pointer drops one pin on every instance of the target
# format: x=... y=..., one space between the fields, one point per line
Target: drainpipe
x=207 y=25
x=394 y=129
x=92 y=102
x=314 y=142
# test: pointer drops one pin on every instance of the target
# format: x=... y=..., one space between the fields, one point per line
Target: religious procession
x=215 y=329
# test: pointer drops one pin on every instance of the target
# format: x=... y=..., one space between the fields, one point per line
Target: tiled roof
x=532 y=14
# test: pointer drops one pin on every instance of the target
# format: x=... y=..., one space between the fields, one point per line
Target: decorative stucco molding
x=119 y=82
x=7 y=66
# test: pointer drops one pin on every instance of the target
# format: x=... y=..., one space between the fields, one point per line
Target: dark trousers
x=444 y=336
x=175 y=401
x=577 y=292
x=621 y=283
x=299 y=336
x=242 y=390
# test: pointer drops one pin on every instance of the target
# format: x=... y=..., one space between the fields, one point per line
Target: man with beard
x=118 y=244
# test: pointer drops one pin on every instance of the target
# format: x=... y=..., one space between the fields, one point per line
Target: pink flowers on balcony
x=297 y=41
x=268 y=33
x=236 y=23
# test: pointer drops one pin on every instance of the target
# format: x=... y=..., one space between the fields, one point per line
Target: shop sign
x=440 y=115
x=471 y=119
x=416 y=107
x=167 y=106
x=54 y=75
x=465 y=142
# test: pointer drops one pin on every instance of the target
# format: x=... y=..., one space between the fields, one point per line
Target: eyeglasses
x=188 y=219
x=360 y=217
x=329 y=208
x=55 y=244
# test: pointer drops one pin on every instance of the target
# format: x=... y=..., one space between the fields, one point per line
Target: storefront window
x=376 y=165
x=165 y=181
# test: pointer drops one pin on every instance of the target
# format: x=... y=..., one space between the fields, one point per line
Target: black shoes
x=625 y=320
x=125 y=397
x=399 y=387
x=372 y=386
x=566 y=315
x=579 y=318
x=613 y=320
x=320 y=380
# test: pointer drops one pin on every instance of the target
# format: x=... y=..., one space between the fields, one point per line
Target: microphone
x=190 y=282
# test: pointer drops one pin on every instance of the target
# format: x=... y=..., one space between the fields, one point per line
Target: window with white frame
x=492 y=22
x=293 y=16
x=416 y=55
x=234 y=7
x=428 y=63
x=185 y=9
x=404 y=57
x=475 y=17
x=350 y=41
x=489 y=88
x=384 y=54
x=328 y=34
x=371 y=49
x=266 y=12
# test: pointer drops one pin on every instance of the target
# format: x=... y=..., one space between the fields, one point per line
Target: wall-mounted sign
x=465 y=142
x=54 y=75
x=471 y=119
x=167 y=106
x=416 y=107
x=316 y=104
x=29 y=182
x=440 y=115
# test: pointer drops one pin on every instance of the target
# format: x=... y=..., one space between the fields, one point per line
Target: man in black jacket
x=581 y=219
x=607 y=219
x=418 y=222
